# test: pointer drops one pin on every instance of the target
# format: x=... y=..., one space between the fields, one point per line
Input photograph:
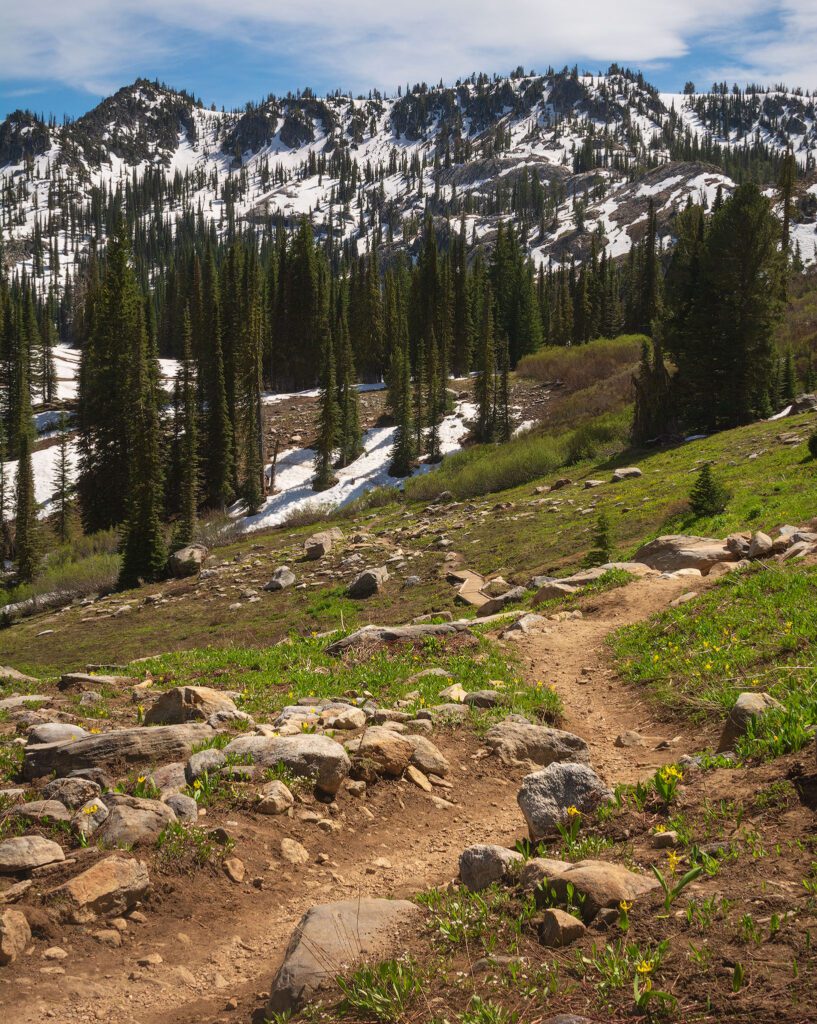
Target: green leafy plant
x=383 y=992
x=673 y=889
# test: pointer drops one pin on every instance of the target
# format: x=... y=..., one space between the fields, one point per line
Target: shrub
x=812 y=444
x=578 y=366
x=708 y=497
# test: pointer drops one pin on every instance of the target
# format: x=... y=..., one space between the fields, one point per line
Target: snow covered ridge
x=576 y=140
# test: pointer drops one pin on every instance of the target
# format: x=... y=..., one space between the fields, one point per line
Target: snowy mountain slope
x=569 y=157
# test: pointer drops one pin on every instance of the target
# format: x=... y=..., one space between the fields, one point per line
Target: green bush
x=578 y=366
x=812 y=444
x=708 y=497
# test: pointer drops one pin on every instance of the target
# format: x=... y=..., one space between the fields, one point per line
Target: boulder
x=282 y=578
x=368 y=582
x=72 y=792
x=677 y=551
x=84 y=681
x=120 y=747
x=320 y=544
x=22 y=853
x=15 y=935
x=626 y=473
x=515 y=742
x=55 y=732
x=274 y=798
x=208 y=760
x=601 y=884
x=558 y=928
x=11 y=675
x=343 y=718
x=112 y=886
x=335 y=938
x=552 y=591
x=40 y=811
x=427 y=757
x=527 y=623
x=539 y=871
x=761 y=545
x=188 y=561
x=483 y=864
x=497 y=604
x=184 y=807
x=310 y=756
x=376 y=635
x=133 y=820
x=187 y=704
x=746 y=708
x=484 y=699
x=545 y=795
x=383 y=752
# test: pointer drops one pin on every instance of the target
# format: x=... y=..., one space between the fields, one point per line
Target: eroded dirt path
x=220 y=942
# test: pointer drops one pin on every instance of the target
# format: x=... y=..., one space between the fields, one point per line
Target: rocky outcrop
x=677 y=551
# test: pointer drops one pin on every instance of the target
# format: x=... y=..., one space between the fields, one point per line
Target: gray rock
x=169 y=778
x=187 y=704
x=127 y=747
x=71 y=792
x=188 y=561
x=381 y=751
x=545 y=795
x=483 y=864
x=11 y=675
x=483 y=699
x=55 y=732
x=21 y=700
x=552 y=591
x=600 y=883
x=90 y=816
x=368 y=582
x=320 y=544
x=202 y=762
x=558 y=928
x=515 y=742
x=282 y=578
x=369 y=635
x=22 y=853
x=332 y=939
x=426 y=756
x=310 y=756
x=42 y=810
x=527 y=623
x=184 y=807
x=746 y=708
x=274 y=798
x=761 y=545
x=497 y=604
x=626 y=473
x=133 y=820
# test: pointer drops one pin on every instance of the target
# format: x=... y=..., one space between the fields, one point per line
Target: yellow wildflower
x=644 y=967
x=90 y=810
x=624 y=906
x=572 y=811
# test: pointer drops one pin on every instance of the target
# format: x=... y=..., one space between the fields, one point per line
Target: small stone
x=234 y=869
x=108 y=937
x=558 y=928
x=417 y=777
x=663 y=840
x=54 y=953
x=15 y=935
x=293 y=852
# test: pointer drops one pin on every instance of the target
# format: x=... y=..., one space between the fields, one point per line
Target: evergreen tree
x=602 y=550
x=789 y=379
x=27 y=539
x=708 y=497
x=63 y=487
x=433 y=408
x=503 y=401
x=653 y=409
x=329 y=416
x=420 y=392
x=350 y=442
x=403 y=452
x=188 y=441
x=485 y=385
x=219 y=460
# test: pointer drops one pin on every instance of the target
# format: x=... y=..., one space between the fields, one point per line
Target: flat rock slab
x=392 y=634
x=21 y=700
x=677 y=551
x=126 y=747
x=335 y=938
x=22 y=853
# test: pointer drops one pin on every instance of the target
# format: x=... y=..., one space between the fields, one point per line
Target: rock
x=426 y=756
x=275 y=798
x=368 y=582
x=20 y=700
x=665 y=840
x=629 y=738
x=545 y=795
x=234 y=869
x=320 y=544
x=126 y=747
x=203 y=761
x=455 y=693
x=690 y=595
x=293 y=852
x=112 y=886
x=418 y=778
x=11 y=675
x=747 y=707
x=345 y=718
x=483 y=864
x=55 y=732
x=170 y=778
x=309 y=756
x=41 y=811
x=626 y=473
x=72 y=792
x=184 y=807
x=188 y=561
x=551 y=591
x=483 y=699
x=84 y=681
x=557 y=485
x=515 y=742
x=558 y=928
x=22 y=853
x=133 y=820
x=589 y=484
x=761 y=545
x=15 y=935
x=803 y=403
x=497 y=604
x=90 y=816
x=187 y=704
x=527 y=623
x=375 y=635
x=540 y=870
x=282 y=578
x=601 y=883
x=677 y=551
x=383 y=752
x=331 y=940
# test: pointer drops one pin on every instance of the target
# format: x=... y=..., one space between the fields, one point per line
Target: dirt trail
x=219 y=941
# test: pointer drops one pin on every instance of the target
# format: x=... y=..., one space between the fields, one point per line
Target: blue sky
x=62 y=57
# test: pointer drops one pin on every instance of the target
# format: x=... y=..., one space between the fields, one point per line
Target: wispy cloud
x=96 y=44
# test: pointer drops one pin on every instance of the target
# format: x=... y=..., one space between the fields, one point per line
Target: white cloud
x=96 y=44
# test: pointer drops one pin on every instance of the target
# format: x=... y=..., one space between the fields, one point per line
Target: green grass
x=272 y=677
x=753 y=631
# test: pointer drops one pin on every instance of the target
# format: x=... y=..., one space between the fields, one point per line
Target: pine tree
x=503 y=400
x=63 y=487
x=708 y=497
x=403 y=452
x=27 y=540
x=433 y=409
x=789 y=379
x=329 y=420
x=602 y=550
x=188 y=441
x=5 y=538
x=350 y=442
x=653 y=410
x=219 y=455
x=420 y=392
x=486 y=369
